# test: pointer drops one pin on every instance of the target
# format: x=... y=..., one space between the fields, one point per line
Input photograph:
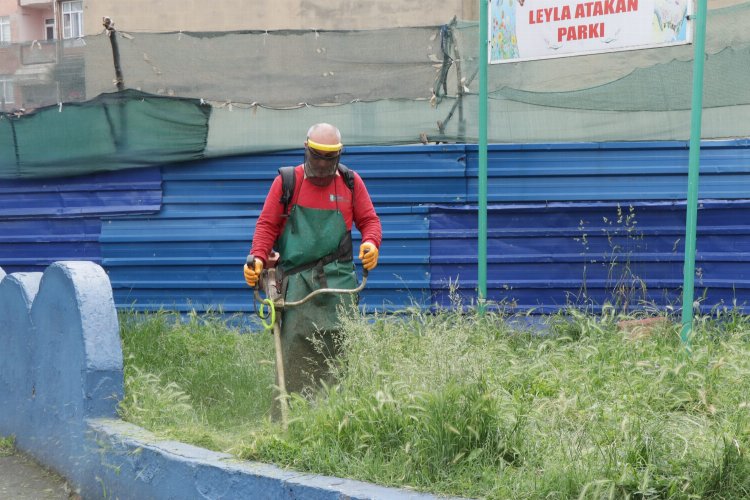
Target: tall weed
x=457 y=403
x=193 y=376
x=461 y=403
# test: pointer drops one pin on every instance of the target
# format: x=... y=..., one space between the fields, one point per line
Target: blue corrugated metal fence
x=571 y=223
x=43 y=221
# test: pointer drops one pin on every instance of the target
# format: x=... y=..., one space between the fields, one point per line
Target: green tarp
x=113 y=131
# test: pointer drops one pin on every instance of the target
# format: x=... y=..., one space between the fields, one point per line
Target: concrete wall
x=31 y=23
x=61 y=362
x=227 y=15
x=26 y=24
x=10 y=9
x=221 y=15
x=61 y=380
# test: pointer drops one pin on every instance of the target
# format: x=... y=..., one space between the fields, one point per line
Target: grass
x=7 y=446
x=470 y=405
x=195 y=379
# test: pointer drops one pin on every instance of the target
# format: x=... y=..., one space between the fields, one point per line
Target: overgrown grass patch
x=7 y=446
x=196 y=379
x=465 y=404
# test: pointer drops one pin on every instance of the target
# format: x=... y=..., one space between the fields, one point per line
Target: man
x=312 y=232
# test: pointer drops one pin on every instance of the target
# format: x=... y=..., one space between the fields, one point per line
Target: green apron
x=316 y=252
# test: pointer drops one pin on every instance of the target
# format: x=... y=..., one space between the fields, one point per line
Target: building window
x=72 y=19
x=49 y=29
x=6 y=91
x=4 y=29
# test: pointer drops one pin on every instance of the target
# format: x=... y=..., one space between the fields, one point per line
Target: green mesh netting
x=260 y=91
x=663 y=87
x=725 y=27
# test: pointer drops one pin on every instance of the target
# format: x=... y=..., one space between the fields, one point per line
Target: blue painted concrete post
x=66 y=362
x=16 y=369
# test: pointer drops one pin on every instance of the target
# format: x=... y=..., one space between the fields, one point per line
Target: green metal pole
x=693 y=172
x=482 y=223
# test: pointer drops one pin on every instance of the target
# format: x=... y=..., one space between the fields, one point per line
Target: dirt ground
x=21 y=478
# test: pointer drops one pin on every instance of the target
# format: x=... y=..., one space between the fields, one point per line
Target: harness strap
x=287 y=187
x=342 y=253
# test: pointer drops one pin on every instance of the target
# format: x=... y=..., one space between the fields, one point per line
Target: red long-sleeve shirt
x=336 y=195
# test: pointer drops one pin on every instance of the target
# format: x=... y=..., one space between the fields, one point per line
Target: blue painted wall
x=555 y=234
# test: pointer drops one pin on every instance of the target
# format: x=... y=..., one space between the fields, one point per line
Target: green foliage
x=195 y=378
x=7 y=446
x=463 y=404
x=626 y=289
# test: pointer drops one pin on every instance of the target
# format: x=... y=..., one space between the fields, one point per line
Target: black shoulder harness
x=288 y=183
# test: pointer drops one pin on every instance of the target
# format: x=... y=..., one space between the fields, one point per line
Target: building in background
x=232 y=15
x=44 y=58
x=39 y=41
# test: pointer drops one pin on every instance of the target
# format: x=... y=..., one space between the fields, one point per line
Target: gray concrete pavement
x=21 y=478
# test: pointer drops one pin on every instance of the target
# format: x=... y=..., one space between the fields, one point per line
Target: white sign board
x=522 y=30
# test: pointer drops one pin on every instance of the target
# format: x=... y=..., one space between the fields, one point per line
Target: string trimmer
x=270 y=311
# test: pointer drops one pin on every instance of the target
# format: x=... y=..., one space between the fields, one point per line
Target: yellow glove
x=253 y=273
x=368 y=254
